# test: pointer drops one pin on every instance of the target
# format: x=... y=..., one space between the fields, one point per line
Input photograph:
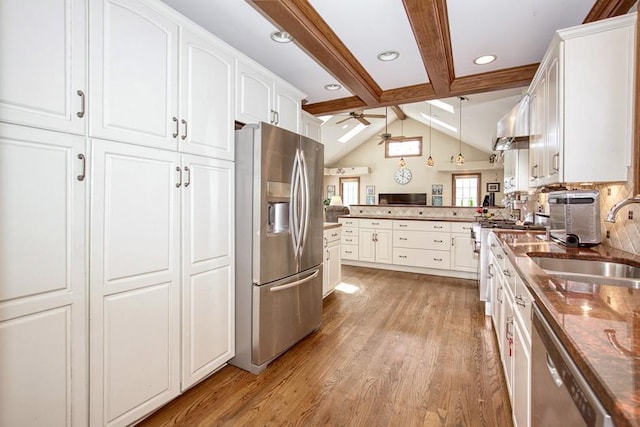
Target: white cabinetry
x=349 y=245
x=174 y=90
x=43 y=313
x=42 y=52
x=463 y=257
x=516 y=171
x=137 y=226
x=331 y=268
x=260 y=97
x=571 y=109
x=422 y=244
x=311 y=126
x=375 y=240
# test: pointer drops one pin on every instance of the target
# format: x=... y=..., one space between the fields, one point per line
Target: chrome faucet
x=611 y=215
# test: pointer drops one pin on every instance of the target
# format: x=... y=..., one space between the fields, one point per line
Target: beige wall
x=382 y=169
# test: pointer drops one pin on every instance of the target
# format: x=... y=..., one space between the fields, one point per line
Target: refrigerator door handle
x=296 y=283
x=293 y=206
x=305 y=201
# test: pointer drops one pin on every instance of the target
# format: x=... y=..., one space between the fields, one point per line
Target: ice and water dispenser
x=278 y=201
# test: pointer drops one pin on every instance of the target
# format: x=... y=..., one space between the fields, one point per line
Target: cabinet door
x=43 y=313
x=335 y=267
x=207 y=97
x=134 y=84
x=311 y=126
x=134 y=279
x=42 y=52
x=367 y=246
x=507 y=337
x=287 y=108
x=553 y=143
x=207 y=267
x=521 y=378
x=510 y=159
x=384 y=246
x=537 y=139
x=254 y=95
x=464 y=258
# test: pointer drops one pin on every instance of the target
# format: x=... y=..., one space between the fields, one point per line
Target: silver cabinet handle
x=556 y=162
x=84 y=167
x=179 y=183
x=499 y=256
x=453 y=240
x=188 y=171
x=296 y=283
x=277 y=117
x=437 y=241
x=326 y=242
x=184 y=122
x=402 y=225
x=328 y=255
x=498 y=295
x=506 y=272
x=490 y=273
x=82 y=99
x=402 y=256
x=273 y=117
x=520 y=301
x=402 y=238
x=175 y=135
x=437 y=259
x=437 y=226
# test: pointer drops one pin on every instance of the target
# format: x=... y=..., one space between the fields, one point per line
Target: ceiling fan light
x=388 y=55
x=485 y=59
x=460 y=159
x=281 y=37
x=332 y=87
x=403 y=162
x=430 y=162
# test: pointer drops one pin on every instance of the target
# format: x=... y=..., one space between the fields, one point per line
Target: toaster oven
x=574 y=217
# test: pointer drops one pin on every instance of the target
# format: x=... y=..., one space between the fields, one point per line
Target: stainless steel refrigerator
x=279 y=227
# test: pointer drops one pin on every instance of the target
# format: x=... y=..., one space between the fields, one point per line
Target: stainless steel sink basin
x=589 y=271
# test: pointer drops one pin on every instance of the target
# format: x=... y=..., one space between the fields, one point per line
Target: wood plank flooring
x=402 y=350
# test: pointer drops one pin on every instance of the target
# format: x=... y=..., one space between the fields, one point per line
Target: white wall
x=382 y=169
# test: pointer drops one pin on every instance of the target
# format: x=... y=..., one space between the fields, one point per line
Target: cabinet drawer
x=522 y=303
x=350 y=240
x=349 y=231
x=376 y=223
x=422 y=258
x=349 y=252
x=348 y=222
x=461 y=227
x=332 y=234
x=410 y=225
x=421 y=240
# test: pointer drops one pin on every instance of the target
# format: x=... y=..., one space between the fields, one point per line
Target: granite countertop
x=585 y=316
x=412 y=218
x=329 y=225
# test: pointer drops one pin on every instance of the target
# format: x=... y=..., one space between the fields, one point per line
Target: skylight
x=325 y=118
x=439 y=122
x=353 y=132
x=442 y=105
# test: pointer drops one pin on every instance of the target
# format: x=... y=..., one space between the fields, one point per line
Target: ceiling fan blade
x=363 y=120
x=374 y=116
x=381 y=141
x=397 y=138
x=343 y=120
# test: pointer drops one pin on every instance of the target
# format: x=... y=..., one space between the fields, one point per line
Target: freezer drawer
x=284 y=312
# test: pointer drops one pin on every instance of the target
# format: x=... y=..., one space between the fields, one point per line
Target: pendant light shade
x=460 y=158
x=430 y=161
x=403 y=162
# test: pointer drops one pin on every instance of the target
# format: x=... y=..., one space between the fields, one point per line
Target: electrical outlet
x=608 y=191
x=630 y=214
x=608 y=235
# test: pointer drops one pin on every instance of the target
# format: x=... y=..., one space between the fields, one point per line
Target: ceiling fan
x=386 y=136
x=361 y=117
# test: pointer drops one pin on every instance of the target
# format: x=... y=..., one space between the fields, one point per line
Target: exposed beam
x=317 y=39
x=494 y=80
x=335 y=106
x=399 y=113
x=429 y=23
x=603 y=9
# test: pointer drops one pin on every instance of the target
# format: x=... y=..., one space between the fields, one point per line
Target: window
x=350 y=191
x=466 y=189
x=407 y=147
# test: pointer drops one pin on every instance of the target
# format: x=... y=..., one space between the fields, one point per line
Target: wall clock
x=402 y=176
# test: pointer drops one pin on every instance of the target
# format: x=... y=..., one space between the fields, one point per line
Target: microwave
x=574 y=217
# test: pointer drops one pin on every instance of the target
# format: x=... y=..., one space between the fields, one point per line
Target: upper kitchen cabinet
x=311 y=126
x=174 y=91
x=43 y=82
x=582 y=96
x=516 y=170
x=262 y=97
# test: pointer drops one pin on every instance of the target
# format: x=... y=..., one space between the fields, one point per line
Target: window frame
x=465 y=175
x=348 y=179
x=401 y=140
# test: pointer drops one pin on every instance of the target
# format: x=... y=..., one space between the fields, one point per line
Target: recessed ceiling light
x=281 y=37
x=389 y=55
x=485 y=59
x=332 y=86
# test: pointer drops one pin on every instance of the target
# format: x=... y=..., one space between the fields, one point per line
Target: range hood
x=512 y=131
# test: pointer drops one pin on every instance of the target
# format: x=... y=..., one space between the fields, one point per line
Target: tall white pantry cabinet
x=117 y=195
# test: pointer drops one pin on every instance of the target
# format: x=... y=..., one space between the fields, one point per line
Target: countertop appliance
x=560 y=396
x=574 y=217
x=279 y=230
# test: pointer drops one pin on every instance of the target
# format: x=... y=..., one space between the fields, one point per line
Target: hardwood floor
x=402 y=350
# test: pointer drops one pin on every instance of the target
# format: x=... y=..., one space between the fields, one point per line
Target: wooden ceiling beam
x=312 y=34
x=430 y=26
x=333 y=106
x=494 y=80
x=399 y=113
x=603 y=9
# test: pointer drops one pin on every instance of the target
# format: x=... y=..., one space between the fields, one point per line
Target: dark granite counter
x=411 y=218
x=599 y=325
x=330 y=225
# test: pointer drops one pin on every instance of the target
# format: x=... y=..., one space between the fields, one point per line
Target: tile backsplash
x=624 y=233
x=424 y=211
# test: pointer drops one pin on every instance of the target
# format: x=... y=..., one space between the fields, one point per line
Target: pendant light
x=403 y=162
x=460 y=158
x=430 y=161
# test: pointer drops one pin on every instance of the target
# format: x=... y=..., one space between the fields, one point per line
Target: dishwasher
x=560 y=396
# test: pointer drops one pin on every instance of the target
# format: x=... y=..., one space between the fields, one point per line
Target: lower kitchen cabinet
x=375 y=238
x=43 y=291
x=144 y=203
x=463 y=257
x=331 y=267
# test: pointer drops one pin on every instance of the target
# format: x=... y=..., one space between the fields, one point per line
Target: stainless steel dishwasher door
x=560 y=396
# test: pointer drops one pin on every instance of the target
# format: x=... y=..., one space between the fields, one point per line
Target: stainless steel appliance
x=279 y=217
x=575 y=217
x=560 y=396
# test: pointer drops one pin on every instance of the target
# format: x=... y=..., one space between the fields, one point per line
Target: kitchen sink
x=590 y=271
